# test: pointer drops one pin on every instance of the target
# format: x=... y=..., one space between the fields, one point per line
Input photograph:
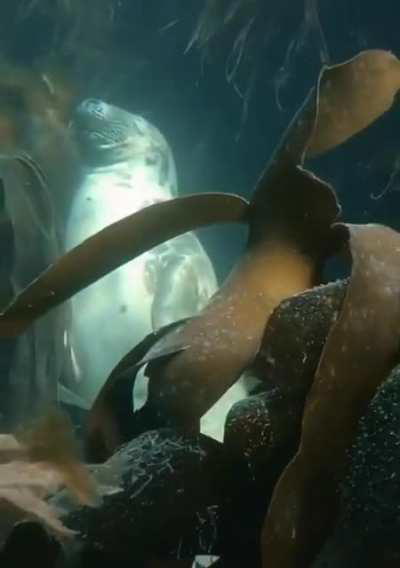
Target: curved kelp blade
x=352 y=95
x=212 y=350
x=290 y=218
x=348 y=97
x=359 y=352
x=290 y=236
x=113 y=246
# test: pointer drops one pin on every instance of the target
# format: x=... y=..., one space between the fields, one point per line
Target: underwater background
x=221 y=80
x=222 y=101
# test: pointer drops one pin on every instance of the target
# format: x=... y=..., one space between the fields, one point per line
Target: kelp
x=344 y=108
x=289 y=220
x=36 y=461
x=39 y=168
x=289 y=237
x=113 y=246
x=214 y=348
x=359 y=352
x=366 y=532
x=191 y=364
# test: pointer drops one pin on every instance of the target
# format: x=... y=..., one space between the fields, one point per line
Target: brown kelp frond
x=114 y=246
x=211 y=350
x=333 y=112
x=290 y=236
x=295 y=207
x=50 y=440
x=307 y=130
x=358 y=354
x=36 y=462
x=337 y=109
x=290 y=220
x=352 y=95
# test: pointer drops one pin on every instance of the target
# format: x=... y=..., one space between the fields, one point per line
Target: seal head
x=108 y=135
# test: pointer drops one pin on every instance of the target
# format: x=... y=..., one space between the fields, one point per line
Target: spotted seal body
x=129 y=165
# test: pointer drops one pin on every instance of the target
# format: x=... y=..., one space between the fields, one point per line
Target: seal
x=128 y=166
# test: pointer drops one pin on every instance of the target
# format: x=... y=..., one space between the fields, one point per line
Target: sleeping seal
x=129 y=165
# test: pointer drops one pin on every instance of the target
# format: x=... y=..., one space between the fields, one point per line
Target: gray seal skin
x=129 y=165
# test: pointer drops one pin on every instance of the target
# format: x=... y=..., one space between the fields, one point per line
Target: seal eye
x=93 y=106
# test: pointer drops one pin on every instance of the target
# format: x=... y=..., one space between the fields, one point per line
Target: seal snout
x=92 y=106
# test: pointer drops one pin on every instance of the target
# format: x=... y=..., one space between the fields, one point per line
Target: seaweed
x=289 y=218
x=292 y=220
x=34 y=462
x=358 y=354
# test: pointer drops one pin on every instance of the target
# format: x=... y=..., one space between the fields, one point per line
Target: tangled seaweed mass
x=322 y=352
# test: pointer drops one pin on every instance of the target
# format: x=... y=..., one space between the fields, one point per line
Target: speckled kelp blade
x=352 y=95
x=348 y=97
x=292 y=211
x=358 y=354
x=114 y=246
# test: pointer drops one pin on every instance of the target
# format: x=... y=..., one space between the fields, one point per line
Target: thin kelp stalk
x=390 y=183
x=238 y=49
x=310 y=25
x=113 y=246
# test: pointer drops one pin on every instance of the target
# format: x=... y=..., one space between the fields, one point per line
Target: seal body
x=129 y=165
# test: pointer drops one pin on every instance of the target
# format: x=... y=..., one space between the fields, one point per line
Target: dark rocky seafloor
x=169 y=496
